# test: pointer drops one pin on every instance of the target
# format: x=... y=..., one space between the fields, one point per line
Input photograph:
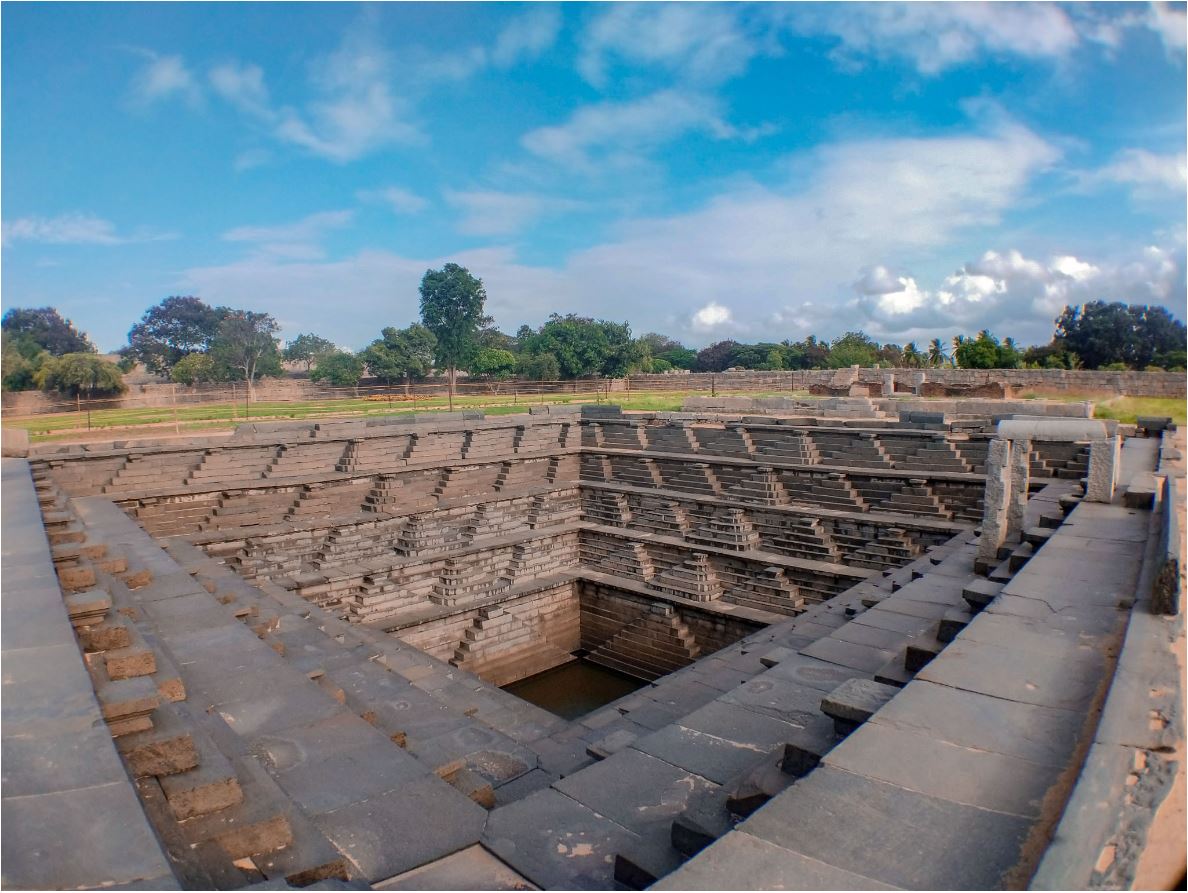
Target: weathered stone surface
x=470 y=869
x=557 y=843
x=741 y=861
x=855 y=701
x=891 y=835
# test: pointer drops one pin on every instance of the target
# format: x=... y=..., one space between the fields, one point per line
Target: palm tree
x=911 y=355
x=936 y=353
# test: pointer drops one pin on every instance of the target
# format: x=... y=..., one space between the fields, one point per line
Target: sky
x=710 y=171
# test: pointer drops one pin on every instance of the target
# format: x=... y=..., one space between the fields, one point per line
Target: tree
x=76 y=373
x=307 y=349
x=1134 y=334
x=43 y=328
x=452 y=303
x=20 y=362
x=583 y=346
x=246 y=342
x=985 y=352
x=401 y=354
x=491 y=362
x=936 y=353
x=196 y=368
x=678 y=357
x=172 y=329
x=852 y=349
x=717 y=357
x=538 y=367
x=341 y=368
x=912 y=358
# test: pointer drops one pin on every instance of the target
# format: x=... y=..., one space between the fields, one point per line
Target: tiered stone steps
x=694 y=578
x=300 y=460
x=226 y=467
x=500 y=648
x=653 y=646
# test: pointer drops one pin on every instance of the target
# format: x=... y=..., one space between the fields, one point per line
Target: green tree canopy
x=341 y=368
x=401 y=354
x=583 y=346
x=43 y=328
x=85 y=374
x=168 y=331
x=307 y=349
x=1135 y=334
x=852 y=349
x=196 y=368
x=452 y=302
x=986 y=352
x=538 y=367
x=246 y=343
x=490 y=362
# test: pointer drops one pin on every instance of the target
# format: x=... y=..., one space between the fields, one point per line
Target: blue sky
x=709 y=171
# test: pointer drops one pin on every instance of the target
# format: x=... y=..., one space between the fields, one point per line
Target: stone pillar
x=918 y=379
x=1020 y=464
x=994 y=509
x=1103 y=470
x=888 y=384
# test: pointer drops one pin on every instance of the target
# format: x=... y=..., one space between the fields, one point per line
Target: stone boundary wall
x=1130 y=384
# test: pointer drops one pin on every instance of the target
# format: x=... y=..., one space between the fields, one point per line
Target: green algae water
x=574 y=689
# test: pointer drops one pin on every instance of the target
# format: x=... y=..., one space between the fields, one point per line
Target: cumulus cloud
x=75 y=228
x=712 y=317
x=1019 y=295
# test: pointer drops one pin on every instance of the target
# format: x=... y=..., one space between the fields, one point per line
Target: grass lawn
x=206 y=418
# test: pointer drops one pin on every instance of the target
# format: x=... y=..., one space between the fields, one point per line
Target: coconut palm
x=936 y=353
x=911 y=355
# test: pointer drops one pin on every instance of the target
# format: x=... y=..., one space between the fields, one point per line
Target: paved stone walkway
x=71 y=817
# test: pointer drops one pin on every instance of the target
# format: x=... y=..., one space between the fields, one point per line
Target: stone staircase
x=653 y=646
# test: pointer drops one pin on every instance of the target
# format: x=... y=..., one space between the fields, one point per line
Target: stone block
x=855 y=701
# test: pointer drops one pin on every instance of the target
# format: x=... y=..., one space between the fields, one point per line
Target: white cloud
x=1015 y=295
x=711 y=317
x=526 y=37
x=493 y=213
x=399 y=200
x=163 y=77
x=356 y=112
x=251 y=158
x=1149 y=174
x=702 y=42
x=616 y=132
x=780 y=262
x=300 y=240
x=242 y=86
x=1168 y=20
x=936 y=36
x=523 y=38
x=75 y=228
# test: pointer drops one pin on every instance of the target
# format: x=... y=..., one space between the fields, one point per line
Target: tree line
x=186 y=341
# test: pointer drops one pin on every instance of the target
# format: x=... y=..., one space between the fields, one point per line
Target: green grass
x=1127 y=409
x=204 y=418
